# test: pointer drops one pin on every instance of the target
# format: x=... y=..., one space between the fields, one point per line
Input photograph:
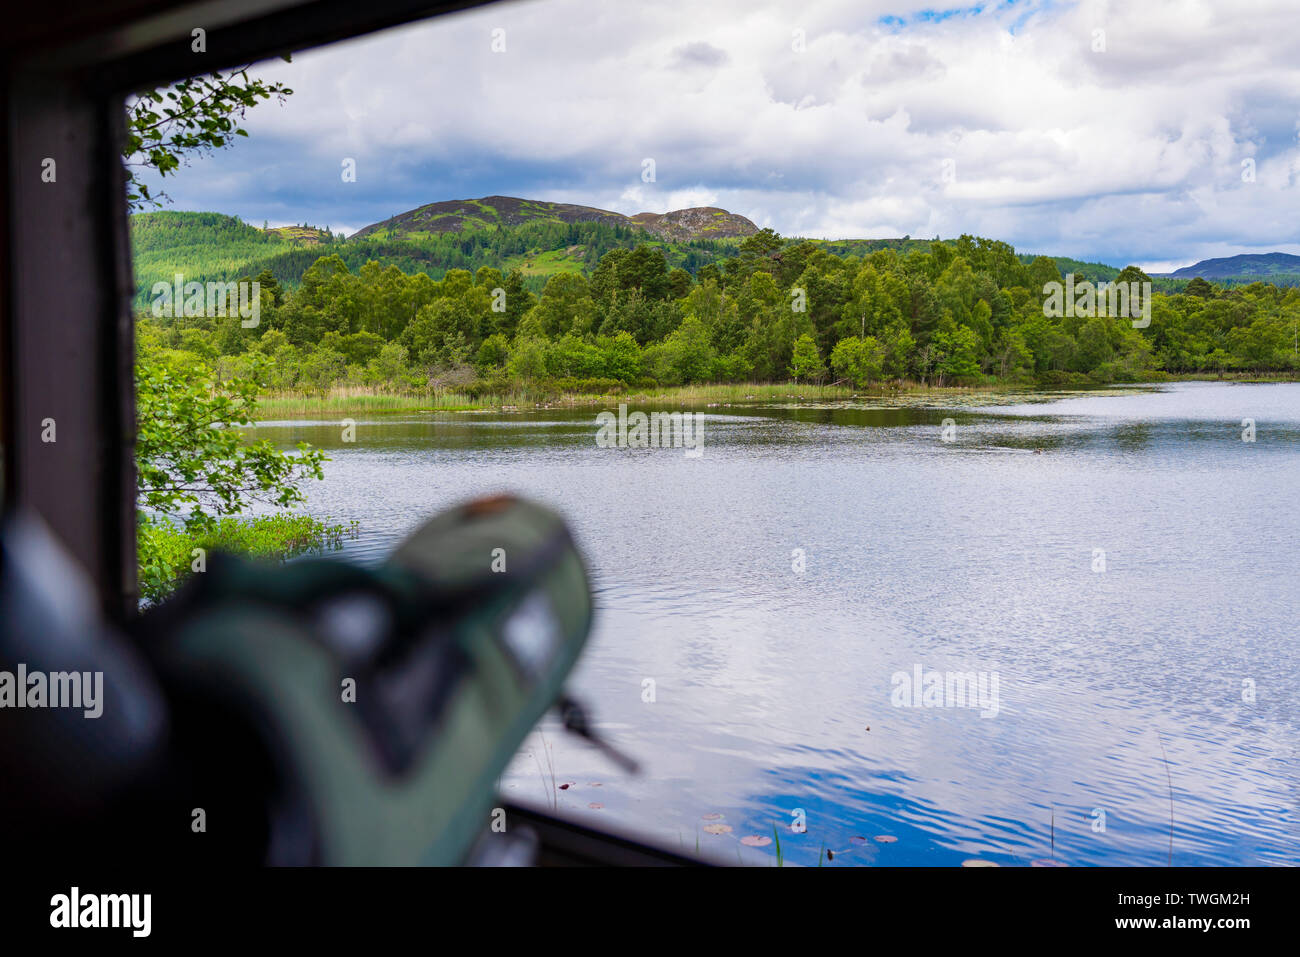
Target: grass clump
x=169 y=552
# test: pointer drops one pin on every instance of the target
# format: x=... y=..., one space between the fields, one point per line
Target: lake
x=1116 y=571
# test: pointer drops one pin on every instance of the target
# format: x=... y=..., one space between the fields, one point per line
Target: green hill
x=538 y=240
x=462 y=215
x=1281 y=269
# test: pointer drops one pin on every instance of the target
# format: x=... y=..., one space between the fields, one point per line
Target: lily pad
x=886 y=839
x=859 y=841
x=594 y=806
x=755 y=840
x=712 y=817
x=717 y=829
x=976 y=862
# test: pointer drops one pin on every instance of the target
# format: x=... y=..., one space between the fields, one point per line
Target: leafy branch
x=191 y=456
x=196 y=115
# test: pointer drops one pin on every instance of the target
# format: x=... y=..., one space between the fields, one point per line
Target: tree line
x=958 y=312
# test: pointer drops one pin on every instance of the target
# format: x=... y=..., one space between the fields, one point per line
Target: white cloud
x=1133 y=153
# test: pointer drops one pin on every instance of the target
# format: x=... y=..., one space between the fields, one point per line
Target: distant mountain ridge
x=1246 y=264
x=681 y=225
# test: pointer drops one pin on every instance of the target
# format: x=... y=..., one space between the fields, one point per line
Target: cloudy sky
x=1159 y=132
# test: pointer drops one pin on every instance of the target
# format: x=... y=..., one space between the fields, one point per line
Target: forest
x=766 y=309
x=212 y=246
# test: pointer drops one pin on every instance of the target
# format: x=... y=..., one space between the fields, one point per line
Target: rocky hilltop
x=698 y=222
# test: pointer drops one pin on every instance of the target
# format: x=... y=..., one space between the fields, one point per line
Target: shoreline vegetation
x=361 y=400
x=168 y=551
x=968 y=314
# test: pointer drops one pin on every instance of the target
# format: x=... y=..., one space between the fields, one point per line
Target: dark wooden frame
x=66 y=338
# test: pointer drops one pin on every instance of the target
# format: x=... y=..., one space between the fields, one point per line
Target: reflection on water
x=981 y=555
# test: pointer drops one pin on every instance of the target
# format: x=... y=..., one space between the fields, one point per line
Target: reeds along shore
x=352 y=400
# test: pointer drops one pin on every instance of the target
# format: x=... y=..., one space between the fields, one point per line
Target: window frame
x=67 y=339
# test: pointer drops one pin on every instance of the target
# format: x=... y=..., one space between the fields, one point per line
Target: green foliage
x=167 y=551
x=196 y=472
x=857 y=359
x=955 y=312
x=956 y=350
x=196 y=115
x=492 y=355
x=191 y=459
x=806 y=362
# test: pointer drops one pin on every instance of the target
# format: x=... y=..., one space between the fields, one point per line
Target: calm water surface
x=980 y=555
